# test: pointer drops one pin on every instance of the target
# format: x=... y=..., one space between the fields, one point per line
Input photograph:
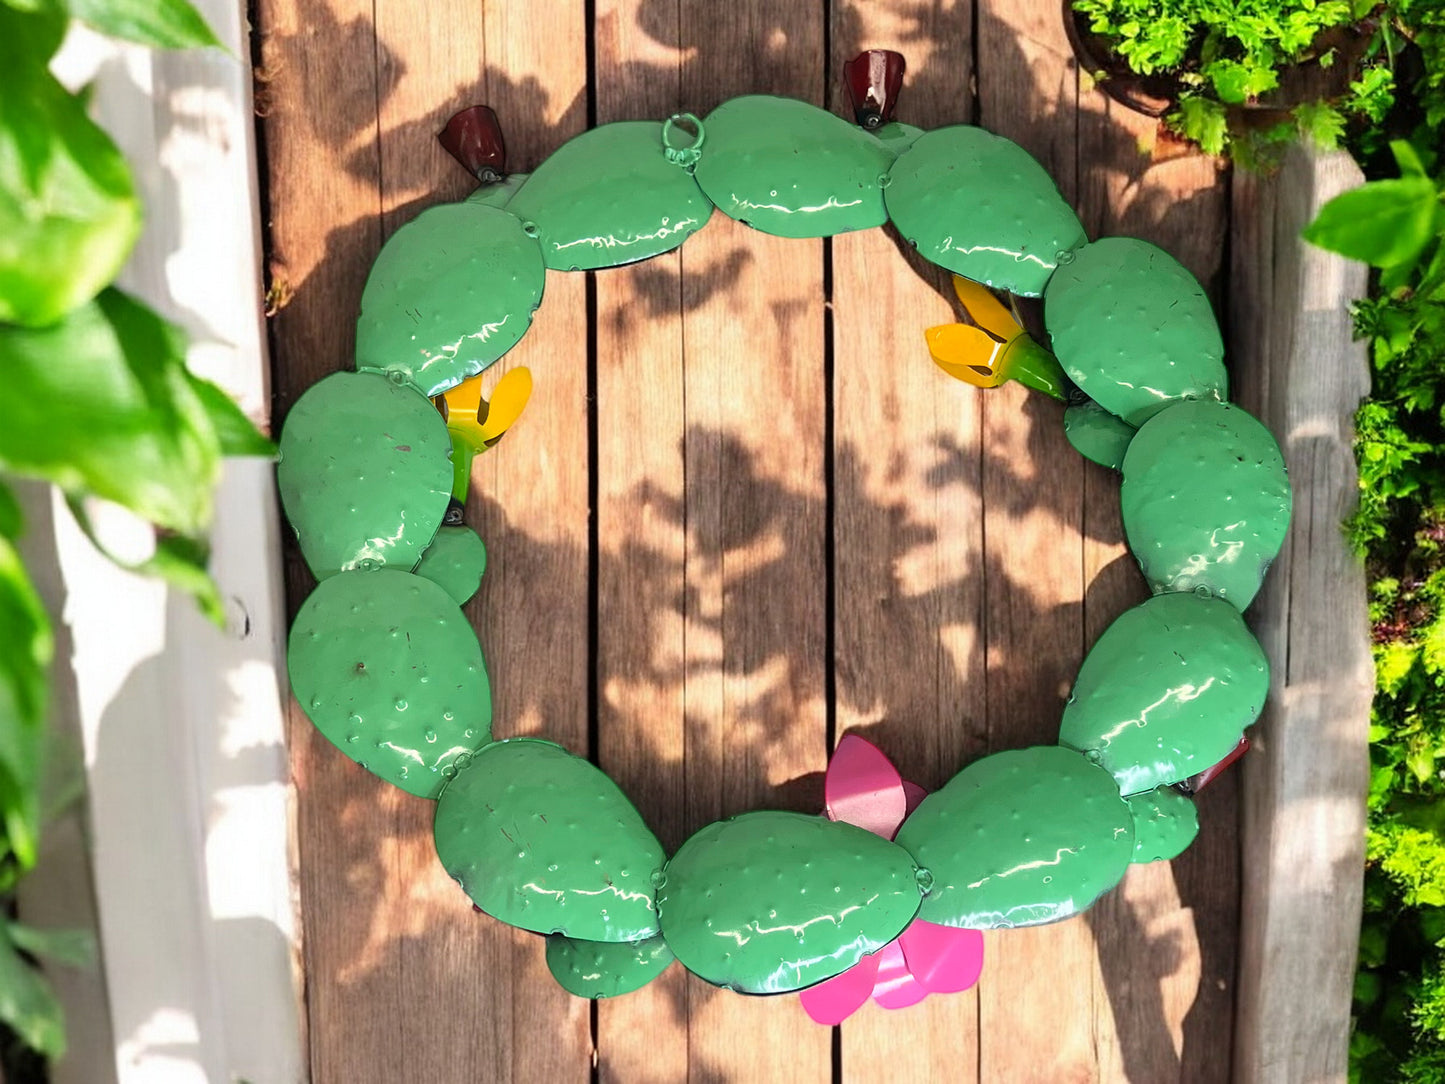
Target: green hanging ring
x=687 y=156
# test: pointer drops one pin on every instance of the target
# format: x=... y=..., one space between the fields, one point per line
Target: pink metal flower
x=863 y=787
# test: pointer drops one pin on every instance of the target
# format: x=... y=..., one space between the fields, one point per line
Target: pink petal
x=863 y=787
x=914 y=794
x=834 y=1000
x=895 y=987
x=944 y=959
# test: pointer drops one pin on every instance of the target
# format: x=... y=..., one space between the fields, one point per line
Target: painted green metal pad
x=499 y=193
x=386 y=666
x=769 y=902
x=543 y=840
x=1165 y=823
x=605 y=968
x=364 y=472
x=788 y=168
x=1166 y=691
x=1206 y=501
x=450 y=293
x=1020 y=838
x=979 y=205
x=897 y=136
x=1133 y=329
x=455 y=561
x=610 y=197
x=1097 y=435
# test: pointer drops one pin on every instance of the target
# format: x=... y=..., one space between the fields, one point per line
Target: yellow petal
x=464 y=404
x=509 y=399
x=966 y=353
x=985 y=309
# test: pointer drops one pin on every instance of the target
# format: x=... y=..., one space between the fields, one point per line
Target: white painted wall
x=180 y=724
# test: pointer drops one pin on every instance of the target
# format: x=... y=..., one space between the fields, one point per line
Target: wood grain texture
x=1166 y=942
x=1302 y=837
x=712 y=585
x=970 y=556
x=907 y=531
x=403 y=980
x=1037 y=1015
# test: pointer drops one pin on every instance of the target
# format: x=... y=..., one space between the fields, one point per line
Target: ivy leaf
x=25 y=651
x=1382 y=223
x=68 y=210
x=102 y=403
x=162 y=24
x=1204 y=121
x=27 y=1004
x=233 y=429
x=1320 y=123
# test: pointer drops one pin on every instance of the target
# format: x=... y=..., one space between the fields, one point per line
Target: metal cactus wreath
x=885 y=895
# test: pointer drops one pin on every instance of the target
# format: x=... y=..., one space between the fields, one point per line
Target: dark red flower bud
x=1195 y=783
x=474 y=138
x=874 y=78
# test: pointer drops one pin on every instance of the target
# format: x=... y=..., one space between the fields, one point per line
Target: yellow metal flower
x=996 y=349
x=476 y=424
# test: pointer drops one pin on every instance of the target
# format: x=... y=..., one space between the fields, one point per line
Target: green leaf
x=1382 y=223
x=75 y=948
x=1204 y=121
x=27 y=1004
x=234 y=430
x=25 y=651
x=30 y=33
x=102 y=403
x=68 y=210
x=1237 y=83
x=1320 y=123
x=12 y=520
x=162 y=24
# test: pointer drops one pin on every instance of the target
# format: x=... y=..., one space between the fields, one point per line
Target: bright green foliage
x=1395 y=223
x=163 y=24
x=1383 y=223
x=70 y=213
x=1229 y=54
x=97 y=400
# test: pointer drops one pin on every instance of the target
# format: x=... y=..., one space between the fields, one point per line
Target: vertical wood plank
x=1305 y=781
x=908 y=539
x=642 y=535
x=1166 y=941
x=317 y=90
x=404 y=981
x=755 y=718
x=530 y=502
x=711 y=522
x=1036 y=996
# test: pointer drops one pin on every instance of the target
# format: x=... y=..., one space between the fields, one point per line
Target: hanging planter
x=1233 y=88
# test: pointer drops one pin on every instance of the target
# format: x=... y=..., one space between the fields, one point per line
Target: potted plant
x=1247 y=77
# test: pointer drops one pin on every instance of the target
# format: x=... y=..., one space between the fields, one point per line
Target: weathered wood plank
x=907 y=528
x=1036 y=996
x=318 y=96
x=1305 y=780
x=711 y=519
x=403 y=980
x=642 y=537
x=1166 y=941
x=530 y=502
